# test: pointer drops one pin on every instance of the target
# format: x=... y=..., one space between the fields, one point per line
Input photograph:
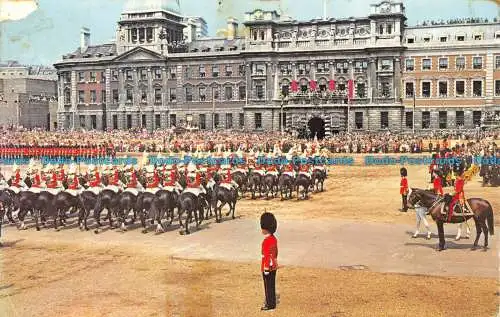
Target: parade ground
x=347 y=251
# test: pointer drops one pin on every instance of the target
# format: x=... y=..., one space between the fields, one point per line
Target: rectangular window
x=202 y=93
x=260 y=91
x=203 y=121
x=410 y=40
x=93 y=77
x=173 y=120
x=114 y=75
x=158 y=95
x=409 y=90
x=115 y=122
x=93 y=122
x=460 y=38
x=228 y=93
x=497 y=87
x=386 y=65
x=189 y=93
x=258 y=120
x=476 y=118
x=229 y=120
x=229 y=71
x=477 y=88
x=478 y=37
x=443 y=119
x=81 y=96
x=149 y=35
x=144 y=95
x=443 y=64
x=459 y=118
x=215 y=71
x=173 y=73
x=260 y=69
x=426 y=120
x=358 y=120
x=443 y=39
x=129 y=121
x=477 y=62
x=497 y=62
x=215 y=93
x=103 y=96
x=157 y=121
x=173 y=96
x=460 y=63
x=143 y=121
x=103 y=77
x=410 y=65
x=67 y=96
x=129 y=75
x=459 y=88
x=242 y=120
x=144 y=74
x=115 y=95
x=216 y=120
x=426 y=89
x=81 y=77
x=409 y=120
x=443 y=89
x=384 y=120
x=158 y=73
x=242 y=92
x=426 y=64
x=130 y=96
x=360 y=90
x=93 y=96
x=82 y=121
x=202 y=71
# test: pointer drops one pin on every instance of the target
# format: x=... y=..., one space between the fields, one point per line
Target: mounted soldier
x=51 y=182
x=458 y=195
x=114 y=182
x=74 y=187
x=95 y=184
x=305 y=169
x=227 y=179
x=193 y=180
x=35 y=178
x=61 y=177
x=170 y=179
x=16 y=181
x=133 y=186
x=152 y=180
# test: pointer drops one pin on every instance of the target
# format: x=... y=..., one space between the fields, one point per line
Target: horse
x=481 y=209
x=44 y=207
x=255 y=183
x=189 y=203
x=285 y=186
x=270 y=184
x=242 y=180
x=166 y=203
x=225 y=196
x=304 y=182
x=318 y=178
x=7 y=204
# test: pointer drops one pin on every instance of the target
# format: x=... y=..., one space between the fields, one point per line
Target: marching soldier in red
x=458 y=195
x=437 y=184
x=403 y=189
x=269 y=263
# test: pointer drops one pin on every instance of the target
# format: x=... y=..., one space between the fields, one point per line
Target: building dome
x=138 y=6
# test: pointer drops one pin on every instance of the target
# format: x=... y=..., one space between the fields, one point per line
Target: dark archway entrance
x=316 y=128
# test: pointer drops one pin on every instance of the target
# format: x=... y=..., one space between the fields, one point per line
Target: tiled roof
x=216 y=44
x=103 y=50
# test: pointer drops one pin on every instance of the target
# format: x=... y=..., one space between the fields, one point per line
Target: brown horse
x=481 y=209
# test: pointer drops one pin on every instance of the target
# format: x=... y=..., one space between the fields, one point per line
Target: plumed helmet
x=268 y=222
x=403 y=171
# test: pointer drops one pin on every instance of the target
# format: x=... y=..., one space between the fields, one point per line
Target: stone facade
x=148 y=78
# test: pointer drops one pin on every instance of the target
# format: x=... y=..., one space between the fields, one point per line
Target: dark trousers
x=270 y=289
x=405 y=202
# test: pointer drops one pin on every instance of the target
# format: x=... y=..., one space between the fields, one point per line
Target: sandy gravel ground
x=103 y=277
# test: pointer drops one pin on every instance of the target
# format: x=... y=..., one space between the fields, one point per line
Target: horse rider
x=193 y=180
x=271 y=169
x=133 y=185
x=74 y=187
x=403 y=189
x=153 y=180
x=437 y=184
x=95 y=184
x=318 y=162
x=51 y=182
x=305 y=170
x=458 y=195
x=114 y=182
x=61 y=177
x=289 y=169
x=170 y=179
x=227 y=178
x=17 y=182
x=36 y=180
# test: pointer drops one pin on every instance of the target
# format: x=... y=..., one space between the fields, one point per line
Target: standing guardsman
x=269 y=263
x=403 y=189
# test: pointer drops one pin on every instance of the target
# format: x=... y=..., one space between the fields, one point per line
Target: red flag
x=350 y=88
x=312 y=85
x=295 y=86
x=332 y=85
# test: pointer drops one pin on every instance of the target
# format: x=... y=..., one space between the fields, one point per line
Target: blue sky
x=53 y=29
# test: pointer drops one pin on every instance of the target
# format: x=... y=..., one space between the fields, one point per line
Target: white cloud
x=11 y=10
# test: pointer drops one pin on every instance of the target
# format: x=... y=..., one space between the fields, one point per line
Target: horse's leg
x=478 y=234
x=485 y=233
x=196 y=217
x=142 y=217
x=440 y=227
x=188 y=219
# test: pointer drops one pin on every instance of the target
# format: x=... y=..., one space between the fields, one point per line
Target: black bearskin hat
x=403 y=172
x=268 y=222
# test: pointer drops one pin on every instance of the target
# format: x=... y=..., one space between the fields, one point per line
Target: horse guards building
x=316 y=77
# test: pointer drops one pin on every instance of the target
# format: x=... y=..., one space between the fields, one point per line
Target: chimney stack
x=232 y=28
x=84 y=39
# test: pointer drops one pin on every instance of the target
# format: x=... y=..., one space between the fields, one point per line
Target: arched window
x=255 y=35
x=381 y=29
x=304 y=83
x=285 y=87
x=322 y=84
x=262 y=35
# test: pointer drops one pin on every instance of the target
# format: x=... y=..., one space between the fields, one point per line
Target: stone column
x=276 y=93
x=136 y=92
x=164 y=92
x=372 y=79
x=294 y=71
x=248 y=79
x=397 y=79
x=313 y=70
x=150 y=95
x=122 y=95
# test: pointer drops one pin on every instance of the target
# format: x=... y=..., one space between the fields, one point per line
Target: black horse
x=285 y=185
x=481 y=210
x=189 y=203
x=166 y=203
x=242 y=180
x=318 y=179
x=225 y=196
x=255 y=183
x=146 y=207
x=304 y=182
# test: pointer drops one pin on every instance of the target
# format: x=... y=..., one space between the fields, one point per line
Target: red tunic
x=304 y=168
x=113 y=180
x=269 y=254
x=156 y=181
x=170 y=180
x=61 y=175
x=438 y=187
x=403 y=188
x=196 y=183
x=228 y=177
x=97 y=181
x=271 y=168
x=52 y=183
x=132 y=183
x=289 y=167
x=17 y=180
x=37 y=182
x=74 y=184
x=459 y=194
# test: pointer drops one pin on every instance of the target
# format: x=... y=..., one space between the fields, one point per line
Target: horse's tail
x=489 y=218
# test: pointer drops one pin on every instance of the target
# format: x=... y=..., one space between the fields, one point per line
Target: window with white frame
x=460 y=63
x=426 y=89
x=477 y=88
x=497 y=87
x=460 y=38
x=409 y=89
x=443 y=89
x=410 y=64
x=497 y=62
x=426 y=64
x=93 y=77
x=410 y=40
x=478 y=37
x=477 y=62
x=93 y=96
x=460 y=88
x=443 y=39
x=443 y=63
